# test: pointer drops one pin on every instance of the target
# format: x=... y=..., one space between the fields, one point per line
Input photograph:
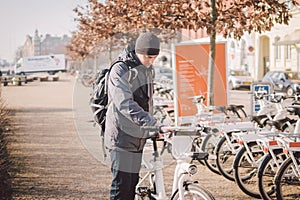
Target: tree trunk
x=212 y=55
x=110 y=50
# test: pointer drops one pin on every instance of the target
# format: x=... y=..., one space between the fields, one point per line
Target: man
x=130 y=91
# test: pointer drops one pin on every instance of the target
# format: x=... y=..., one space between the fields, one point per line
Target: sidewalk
x=50 y=161
x=56 y=149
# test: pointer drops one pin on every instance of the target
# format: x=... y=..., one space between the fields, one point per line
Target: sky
x=19 y=18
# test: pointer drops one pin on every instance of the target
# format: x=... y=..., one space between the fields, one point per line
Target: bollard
x=13 y=80
x=5 y=82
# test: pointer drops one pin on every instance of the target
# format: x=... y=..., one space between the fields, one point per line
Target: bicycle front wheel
x=286 y=181
x=194 y=191
x=225 y=157
x=209 y=145
x=245 y=170
x=266 y=174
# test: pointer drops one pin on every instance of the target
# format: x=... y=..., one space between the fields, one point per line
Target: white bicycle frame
x=277 y=109
x=153 y=162
x=263 y=140
x=268 y=144
x=237 y=128
x=266 y=107
x=243 y=139
x=289 y=149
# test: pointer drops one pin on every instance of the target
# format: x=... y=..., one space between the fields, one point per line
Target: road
x=56 y=150
x=241 y=97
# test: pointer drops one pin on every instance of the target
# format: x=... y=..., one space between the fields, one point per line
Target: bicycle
x=184 y=187
x=208 y=118
x=248 y=159
x=227 y=147
x=287 y=178
x=274 y=158
x=272 y=112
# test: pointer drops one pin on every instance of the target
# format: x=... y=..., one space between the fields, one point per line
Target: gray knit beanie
x=147 y=44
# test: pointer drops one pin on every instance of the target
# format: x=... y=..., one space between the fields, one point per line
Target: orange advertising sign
x=192 y=76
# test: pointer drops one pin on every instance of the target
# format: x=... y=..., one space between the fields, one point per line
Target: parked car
x=284 y=81
x=239 y=79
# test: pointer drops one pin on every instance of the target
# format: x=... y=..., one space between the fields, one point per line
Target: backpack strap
x=128 y=65
x=106 y=78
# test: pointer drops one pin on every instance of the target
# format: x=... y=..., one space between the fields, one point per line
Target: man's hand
x=159 y=135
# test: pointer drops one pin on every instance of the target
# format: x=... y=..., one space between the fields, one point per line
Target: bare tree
x=231 y=18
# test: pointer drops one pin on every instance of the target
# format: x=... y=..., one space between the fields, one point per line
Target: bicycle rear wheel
x=194 y=191
x=286 y=181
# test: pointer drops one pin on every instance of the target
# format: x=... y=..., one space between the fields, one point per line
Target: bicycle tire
x=195 y=191
x=209 y=145
x=266 y=174
x=225 y=158
x=245 y=174
x=287 y=185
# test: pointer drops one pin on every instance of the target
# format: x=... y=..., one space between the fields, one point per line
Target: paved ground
x=56 y=149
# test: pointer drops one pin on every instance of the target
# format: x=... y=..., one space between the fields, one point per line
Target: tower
x=36 y=44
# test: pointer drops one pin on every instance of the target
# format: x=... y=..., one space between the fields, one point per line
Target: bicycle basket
x=181 y=145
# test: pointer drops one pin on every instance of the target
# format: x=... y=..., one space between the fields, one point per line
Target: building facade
x=39 y=45
x=278 y=49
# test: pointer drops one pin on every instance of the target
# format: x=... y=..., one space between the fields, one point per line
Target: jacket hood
x=128 y=55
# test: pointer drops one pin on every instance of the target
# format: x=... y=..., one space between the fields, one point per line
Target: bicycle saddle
x=278 y=124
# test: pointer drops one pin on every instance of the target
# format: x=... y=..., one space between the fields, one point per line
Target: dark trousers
x=125 y=168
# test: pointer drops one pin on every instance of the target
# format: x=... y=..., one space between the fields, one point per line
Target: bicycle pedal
x=143 y=191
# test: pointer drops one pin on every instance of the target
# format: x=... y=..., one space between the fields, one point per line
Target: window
x=277 y=49
x=288 y=52
x=281 y=76
x=243 y=49
x=275 y=75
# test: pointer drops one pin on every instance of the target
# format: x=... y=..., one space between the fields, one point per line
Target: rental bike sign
x=260 y=93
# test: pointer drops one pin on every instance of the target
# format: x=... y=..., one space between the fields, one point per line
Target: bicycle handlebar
x=177 y=130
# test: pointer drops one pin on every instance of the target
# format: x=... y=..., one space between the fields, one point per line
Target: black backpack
x=99 y=99
x=99 y=96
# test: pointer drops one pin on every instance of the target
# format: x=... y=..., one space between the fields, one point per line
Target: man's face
x=146 y=60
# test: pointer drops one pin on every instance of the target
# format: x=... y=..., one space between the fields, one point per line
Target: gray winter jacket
x=130 y=92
